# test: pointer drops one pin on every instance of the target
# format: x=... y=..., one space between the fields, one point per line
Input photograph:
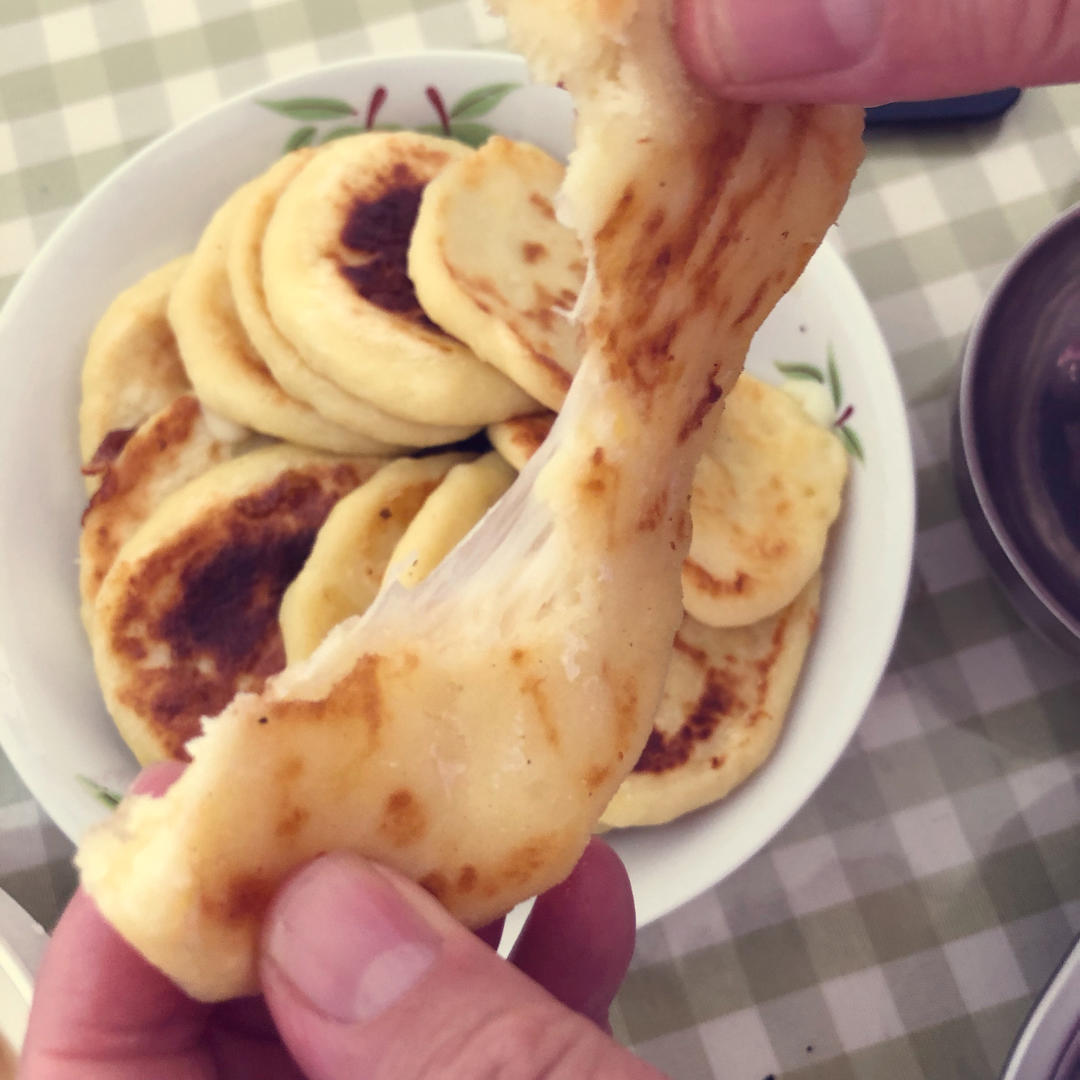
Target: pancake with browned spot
x=228 y=374
x=253 y=213
x=766 y=493
x=725 y=701
x=188 y=613
x=132 y=368
x=518 y=438
x=337 y=286
x=166 y=451
x=495 y=267
x=344 y=572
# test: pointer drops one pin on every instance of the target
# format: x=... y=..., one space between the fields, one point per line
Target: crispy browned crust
x=208 y=600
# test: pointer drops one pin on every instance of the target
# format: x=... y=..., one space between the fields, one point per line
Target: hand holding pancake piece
x=449 y=732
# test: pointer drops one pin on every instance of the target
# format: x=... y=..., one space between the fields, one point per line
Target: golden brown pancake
x=166 y=451
x=766 y=492
x=254 y=210
x=228 y=374
x=337 y=284
x=188 y=613
x=132 y=368
x=494 y=267
x=724 y=705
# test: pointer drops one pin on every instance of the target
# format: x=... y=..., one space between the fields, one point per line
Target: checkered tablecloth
x=899 y=927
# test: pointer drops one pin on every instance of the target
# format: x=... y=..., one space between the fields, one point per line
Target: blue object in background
x=946 y=110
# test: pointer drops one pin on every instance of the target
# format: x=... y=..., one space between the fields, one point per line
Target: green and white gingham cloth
x=900 y=926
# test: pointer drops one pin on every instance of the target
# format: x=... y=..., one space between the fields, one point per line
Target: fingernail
x=758 y=41
x=347 y=941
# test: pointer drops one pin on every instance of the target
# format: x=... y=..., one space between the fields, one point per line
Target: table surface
x=901 y=924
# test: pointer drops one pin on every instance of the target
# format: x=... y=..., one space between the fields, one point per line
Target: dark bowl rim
x=965 y=408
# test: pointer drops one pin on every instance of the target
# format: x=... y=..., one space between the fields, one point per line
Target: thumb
x=869 y=51
x=367 y=975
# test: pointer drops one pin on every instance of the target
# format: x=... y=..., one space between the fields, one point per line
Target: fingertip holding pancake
x=187 y=615
x=227 y=373
x=344 y=572
x=725 y=701
x=132 y=367
x=494 y=267
x=335 y=273
x=255 y=207
x=765 y=495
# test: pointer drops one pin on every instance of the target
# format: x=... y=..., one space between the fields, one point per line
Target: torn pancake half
x=494 y=267
x=449 y=732
x=724 y=706
x=337 y=285
x=188 y=613
x=131 y=370
x=255 y=206
x=167 y=450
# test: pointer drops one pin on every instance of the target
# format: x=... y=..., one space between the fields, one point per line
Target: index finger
x=100 y=1010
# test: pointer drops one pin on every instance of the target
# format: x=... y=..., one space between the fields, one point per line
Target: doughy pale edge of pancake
x=344 y=572
x=384 y=357
x=227 y=373
x=450 y=512
x=132 y=367
x=493 y=266
x=244 y=263
x=466 y=681
x=166 y=451
x=766 y=493
x=202 y=499
x=742 y=680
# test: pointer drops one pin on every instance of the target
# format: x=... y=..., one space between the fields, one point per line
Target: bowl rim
x=902 y=496
x=969 y=366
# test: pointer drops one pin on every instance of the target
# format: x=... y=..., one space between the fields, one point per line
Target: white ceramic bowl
x=52 y=723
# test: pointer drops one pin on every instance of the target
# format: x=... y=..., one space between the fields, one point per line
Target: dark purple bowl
x=1017 y=435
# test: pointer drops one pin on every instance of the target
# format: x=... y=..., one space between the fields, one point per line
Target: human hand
x=867 y=52
x=364 y=975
